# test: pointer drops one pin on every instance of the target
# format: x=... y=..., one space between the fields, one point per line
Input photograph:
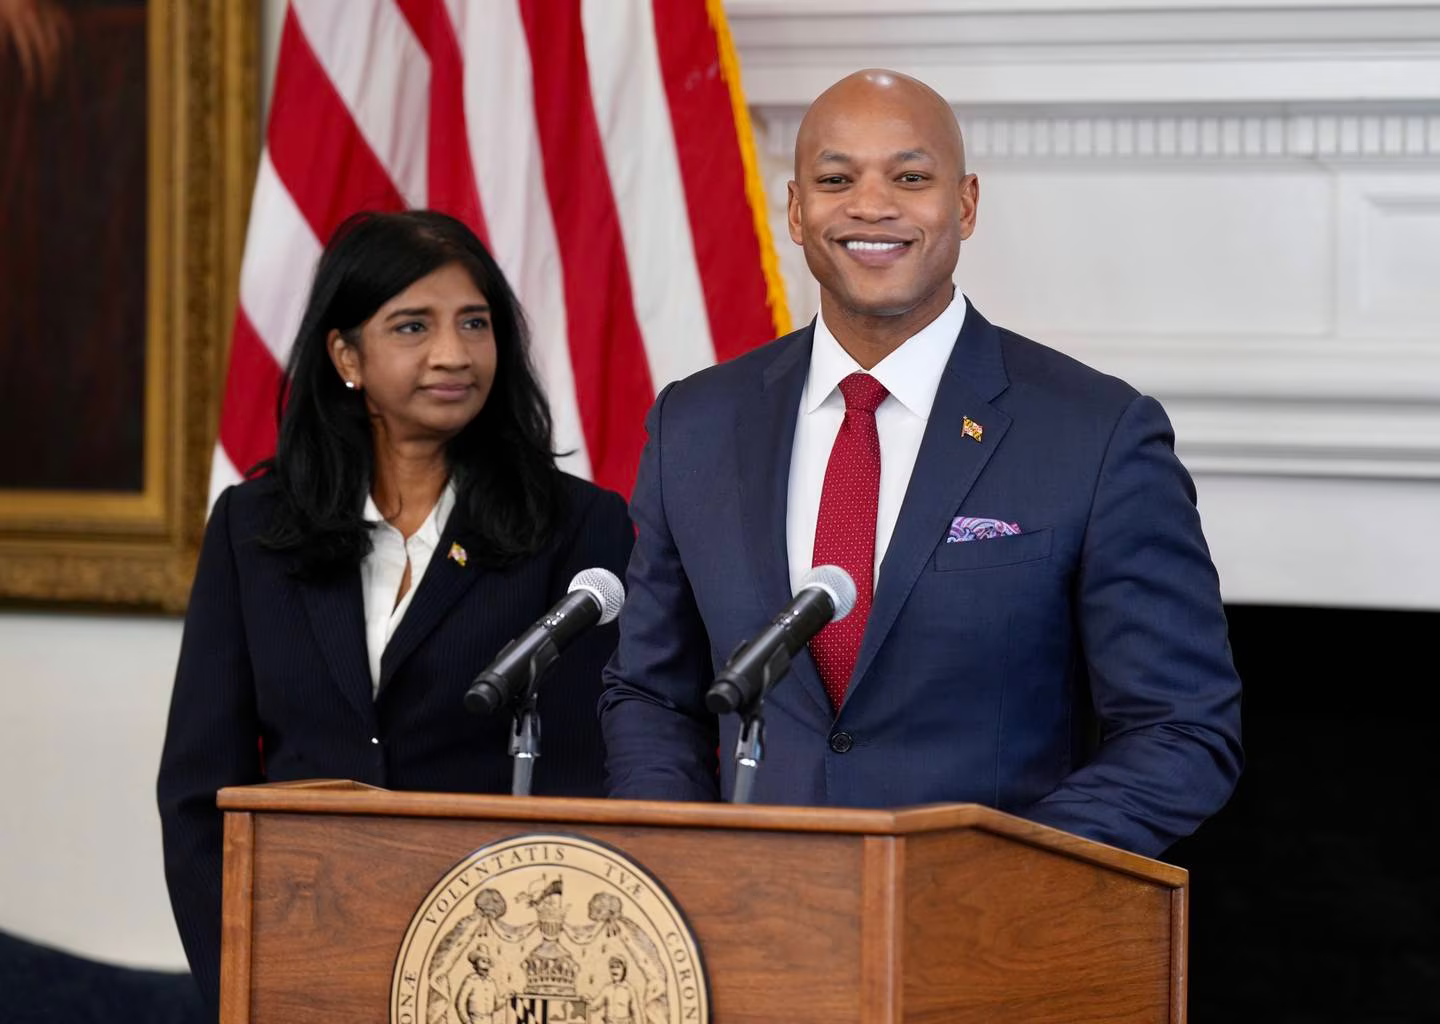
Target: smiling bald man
x=1038 y=624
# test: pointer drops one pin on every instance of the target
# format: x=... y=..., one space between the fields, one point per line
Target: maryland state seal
x=548 y=929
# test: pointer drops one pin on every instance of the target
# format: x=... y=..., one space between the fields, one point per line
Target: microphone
x=594 y=598
x=827 y=593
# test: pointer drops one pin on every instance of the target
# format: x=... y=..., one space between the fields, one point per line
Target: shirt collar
x=911 y=373
x=429 y=531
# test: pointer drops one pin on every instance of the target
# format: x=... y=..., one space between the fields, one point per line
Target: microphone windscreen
x=836 y=582
x=609 y=591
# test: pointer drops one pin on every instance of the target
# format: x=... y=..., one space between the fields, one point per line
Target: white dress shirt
x=384 y=567
x=912 y=376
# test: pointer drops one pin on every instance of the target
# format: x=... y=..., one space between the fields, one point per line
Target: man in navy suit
x=1039 y=625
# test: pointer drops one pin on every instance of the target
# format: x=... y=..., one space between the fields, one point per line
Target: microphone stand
x=525 y=727
x=750 y=745
x=524 y=744
x=760 y=663
x=595 y=595
x=749 y=750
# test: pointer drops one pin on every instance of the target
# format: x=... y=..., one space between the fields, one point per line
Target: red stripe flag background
x=602 y=150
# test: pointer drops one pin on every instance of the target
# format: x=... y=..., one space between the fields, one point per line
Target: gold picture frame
x=137 y=549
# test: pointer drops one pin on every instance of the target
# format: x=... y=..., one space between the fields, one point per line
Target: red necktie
x=845 y=530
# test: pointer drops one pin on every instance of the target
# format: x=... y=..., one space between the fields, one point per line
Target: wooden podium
x=945 y=914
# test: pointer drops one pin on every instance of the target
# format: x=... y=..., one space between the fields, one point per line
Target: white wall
x=82 y=714
x=1233 y=204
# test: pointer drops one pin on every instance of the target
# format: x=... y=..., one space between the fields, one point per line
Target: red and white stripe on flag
x=602 y=150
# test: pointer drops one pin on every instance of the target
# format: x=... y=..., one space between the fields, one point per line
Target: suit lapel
x=444 y=583
x=946 y=468
x=337 y=619
x=765 y=434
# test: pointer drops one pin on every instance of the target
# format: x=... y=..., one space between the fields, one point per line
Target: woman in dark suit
x=410 y=524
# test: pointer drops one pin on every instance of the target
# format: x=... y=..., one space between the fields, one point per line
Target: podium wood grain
x=947 y=914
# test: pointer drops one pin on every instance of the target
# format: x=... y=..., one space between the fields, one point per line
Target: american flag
x=602 y=150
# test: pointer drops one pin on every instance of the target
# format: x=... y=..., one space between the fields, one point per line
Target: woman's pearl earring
x=350 y=384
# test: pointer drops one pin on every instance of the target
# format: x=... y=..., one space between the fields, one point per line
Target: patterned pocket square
x=975 y=528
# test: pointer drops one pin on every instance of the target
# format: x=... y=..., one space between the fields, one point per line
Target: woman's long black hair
x=502 y=462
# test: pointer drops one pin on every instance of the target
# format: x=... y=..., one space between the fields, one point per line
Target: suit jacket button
x=841 y=742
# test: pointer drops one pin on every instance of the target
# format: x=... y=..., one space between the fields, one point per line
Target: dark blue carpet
x=39 y=985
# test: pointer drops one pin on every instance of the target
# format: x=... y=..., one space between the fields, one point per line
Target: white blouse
x=384 y=567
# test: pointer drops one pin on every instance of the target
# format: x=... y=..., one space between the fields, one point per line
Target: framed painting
x=129 y=138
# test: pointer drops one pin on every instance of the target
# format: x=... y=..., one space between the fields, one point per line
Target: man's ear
x=969 y=204
x=792 y=213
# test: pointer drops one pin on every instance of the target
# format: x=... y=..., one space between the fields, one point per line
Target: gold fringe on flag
x=754 y=187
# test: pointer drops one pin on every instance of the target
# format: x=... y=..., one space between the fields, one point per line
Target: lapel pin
x=972 y=430
x=457 y=554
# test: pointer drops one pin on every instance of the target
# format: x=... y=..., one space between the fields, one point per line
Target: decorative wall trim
x=1301 y=369
x=1351 y=442
x=1064 y=51
x=1354 y=409
x=1197 y=135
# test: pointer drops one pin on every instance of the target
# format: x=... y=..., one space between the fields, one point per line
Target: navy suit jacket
x=1077 y=674
x=267 y=657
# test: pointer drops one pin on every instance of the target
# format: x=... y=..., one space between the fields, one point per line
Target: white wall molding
x=1204 y=134
x=1358 y=409
x=1298 y=369
x=1207 y=135
x=1326 y=442
x=1073 y=52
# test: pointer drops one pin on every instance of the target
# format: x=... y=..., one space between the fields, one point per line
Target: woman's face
x=425 y=361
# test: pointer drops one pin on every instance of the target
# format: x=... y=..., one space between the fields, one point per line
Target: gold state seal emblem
x=548 y=929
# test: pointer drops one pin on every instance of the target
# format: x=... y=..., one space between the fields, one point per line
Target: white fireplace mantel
x=1233 y=205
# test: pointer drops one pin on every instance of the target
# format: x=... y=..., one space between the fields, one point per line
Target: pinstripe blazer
x=267 y=658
